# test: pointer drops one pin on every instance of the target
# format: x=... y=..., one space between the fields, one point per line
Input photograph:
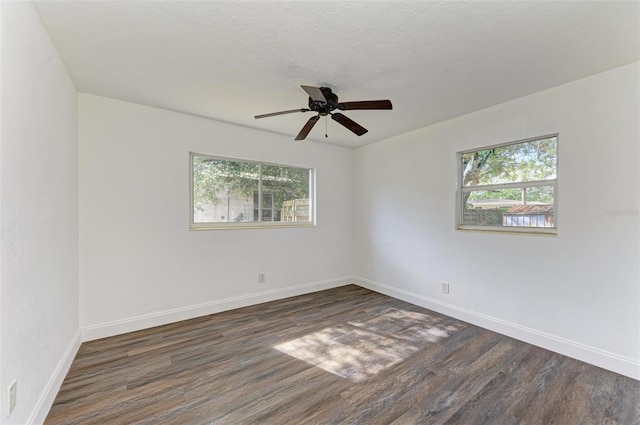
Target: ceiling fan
x=323 y=101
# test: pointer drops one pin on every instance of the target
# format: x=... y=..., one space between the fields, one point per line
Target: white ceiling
x=435 y=60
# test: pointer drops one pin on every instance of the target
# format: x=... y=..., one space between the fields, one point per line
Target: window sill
x=530 y=231
x=230 y=226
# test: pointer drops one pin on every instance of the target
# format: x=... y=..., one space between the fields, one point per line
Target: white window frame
x=253 y=224
x=550 y=231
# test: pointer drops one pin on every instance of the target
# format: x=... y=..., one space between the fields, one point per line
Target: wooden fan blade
x=314 y=93
x=307 y=127
x=349 y=123
x=273 y=114
x=365 y=104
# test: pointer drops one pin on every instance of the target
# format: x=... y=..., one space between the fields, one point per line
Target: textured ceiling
x=231 y=60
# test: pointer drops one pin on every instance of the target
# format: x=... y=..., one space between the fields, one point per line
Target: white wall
x=577 y=293
x=141 y=266
x=39 y=215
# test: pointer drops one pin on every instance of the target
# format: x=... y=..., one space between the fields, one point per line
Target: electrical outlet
x=445 y=288
x=13 y=394
x=262 y=278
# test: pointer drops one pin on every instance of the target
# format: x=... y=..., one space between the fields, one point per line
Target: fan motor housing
x=323 y=108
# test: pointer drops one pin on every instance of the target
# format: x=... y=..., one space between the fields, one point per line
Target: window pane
x=528 y=161
x=223 y=190
x=288 y=188
x=521 y=207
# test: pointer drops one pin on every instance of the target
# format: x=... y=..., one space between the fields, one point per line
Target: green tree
x=528 y=161
x=285 y=183
x=212 y=177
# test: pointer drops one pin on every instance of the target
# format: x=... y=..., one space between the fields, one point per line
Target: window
x=233 y=193
x=510 y=187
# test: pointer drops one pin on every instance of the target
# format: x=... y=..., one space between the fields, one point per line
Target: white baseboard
x=604 y=359
x=146 y=321
x=41 y=410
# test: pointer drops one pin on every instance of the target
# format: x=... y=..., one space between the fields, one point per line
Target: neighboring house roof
x=530 y=210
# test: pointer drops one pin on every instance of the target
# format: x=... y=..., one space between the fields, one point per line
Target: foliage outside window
x=510 y=187
x=232 y=193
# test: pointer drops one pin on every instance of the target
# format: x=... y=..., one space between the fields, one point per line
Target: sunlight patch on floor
x=359 y=350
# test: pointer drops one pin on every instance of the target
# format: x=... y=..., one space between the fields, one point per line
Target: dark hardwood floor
x=342 y=356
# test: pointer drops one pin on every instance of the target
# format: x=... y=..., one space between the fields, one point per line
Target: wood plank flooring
x=341 y=356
